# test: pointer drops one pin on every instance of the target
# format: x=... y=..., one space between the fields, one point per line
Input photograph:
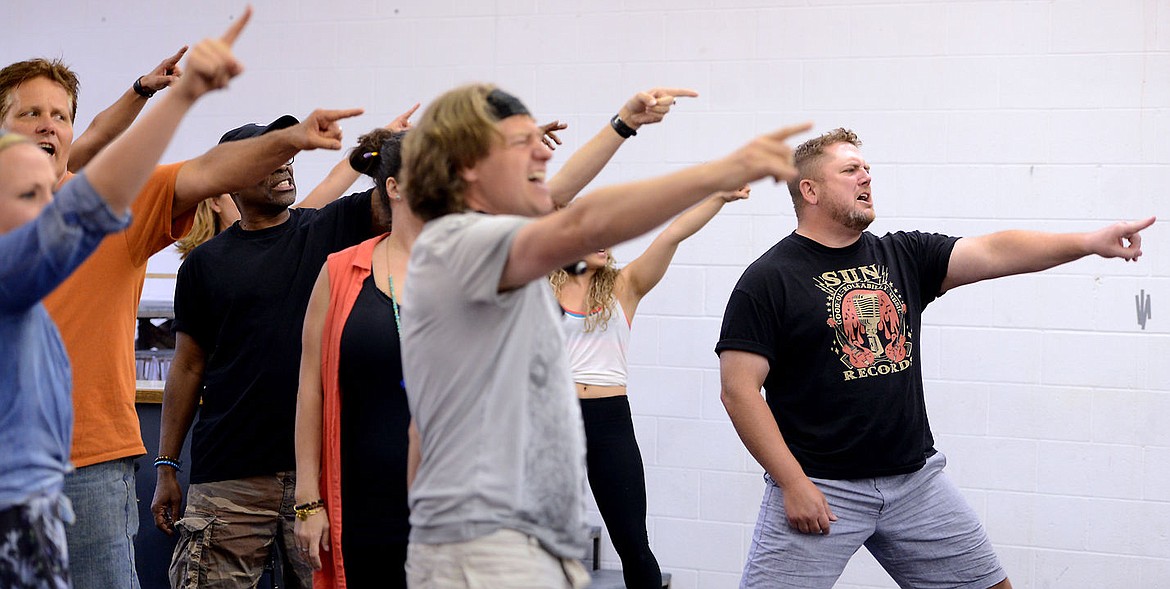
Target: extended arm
x=742 y=374
x=37 y=256
x=120 y=170
x=230 y=166
x=644 y=108
x=645 y=271
x=110 y=123
x=617 y=213
x=314 y=531
x=180 y=400
x=1018 y=252
x=342 y=176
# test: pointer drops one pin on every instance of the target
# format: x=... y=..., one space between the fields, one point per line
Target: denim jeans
x=101 y=540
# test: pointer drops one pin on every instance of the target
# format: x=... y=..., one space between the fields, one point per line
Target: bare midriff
x=589 y=391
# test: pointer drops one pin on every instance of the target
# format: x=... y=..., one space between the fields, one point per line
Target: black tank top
x=374 y=422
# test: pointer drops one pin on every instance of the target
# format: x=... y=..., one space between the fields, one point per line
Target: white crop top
x=597 y=358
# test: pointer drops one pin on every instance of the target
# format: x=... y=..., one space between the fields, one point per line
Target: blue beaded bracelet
x=171 y=463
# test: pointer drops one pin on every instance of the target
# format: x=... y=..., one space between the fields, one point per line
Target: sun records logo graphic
x=869 y=319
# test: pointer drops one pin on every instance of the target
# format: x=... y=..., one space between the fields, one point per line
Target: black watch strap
x=143 y=92
x=621 y=127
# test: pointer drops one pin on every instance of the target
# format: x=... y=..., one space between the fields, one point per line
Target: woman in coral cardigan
x=355 y=445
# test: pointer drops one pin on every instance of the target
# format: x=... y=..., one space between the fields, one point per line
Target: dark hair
x=378 y=155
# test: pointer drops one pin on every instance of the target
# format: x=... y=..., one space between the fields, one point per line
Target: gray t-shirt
x=489 y=388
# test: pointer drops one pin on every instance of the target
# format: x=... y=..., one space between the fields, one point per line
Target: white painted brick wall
x=1051 y=402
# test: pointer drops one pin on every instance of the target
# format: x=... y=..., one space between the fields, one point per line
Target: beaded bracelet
x=304 y=510
x=164 y=460
x=310 y=505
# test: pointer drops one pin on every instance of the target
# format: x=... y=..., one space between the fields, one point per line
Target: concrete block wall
x=1047 y=394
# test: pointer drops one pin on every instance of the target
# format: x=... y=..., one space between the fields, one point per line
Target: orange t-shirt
x=96 y=311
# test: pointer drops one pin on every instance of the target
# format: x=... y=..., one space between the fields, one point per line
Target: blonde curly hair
x=600 y=295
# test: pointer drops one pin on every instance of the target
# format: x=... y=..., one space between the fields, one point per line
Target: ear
x=392 y=188
x=213 y=202
x=470 y=175
x=808 y=191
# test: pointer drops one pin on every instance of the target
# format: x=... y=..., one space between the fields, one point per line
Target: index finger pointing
x=1136 y=226
x=233 y=31
x=411 y=110
x=338 y=114
x=676 y=92
x=174 y=59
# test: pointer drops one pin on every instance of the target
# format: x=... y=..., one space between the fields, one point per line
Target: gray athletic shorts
x=917 y=525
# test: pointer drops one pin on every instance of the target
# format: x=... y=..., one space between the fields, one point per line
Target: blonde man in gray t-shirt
x=498 y=498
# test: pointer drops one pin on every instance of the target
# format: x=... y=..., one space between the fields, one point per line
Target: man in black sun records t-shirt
x=828 y=322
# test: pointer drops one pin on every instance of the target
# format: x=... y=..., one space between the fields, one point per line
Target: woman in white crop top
x=599 y=307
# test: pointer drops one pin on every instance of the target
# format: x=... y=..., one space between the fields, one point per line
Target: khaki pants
x=504 y=559
x=228 y=531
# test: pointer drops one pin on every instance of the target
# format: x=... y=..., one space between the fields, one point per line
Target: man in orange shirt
x=96 y=308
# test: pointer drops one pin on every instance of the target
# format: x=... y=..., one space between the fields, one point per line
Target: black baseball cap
x=255 y=130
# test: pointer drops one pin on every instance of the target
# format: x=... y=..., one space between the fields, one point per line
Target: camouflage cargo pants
x=228 y=531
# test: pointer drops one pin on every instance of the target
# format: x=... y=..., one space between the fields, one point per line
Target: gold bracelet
x=304 y=514
x=304 y=510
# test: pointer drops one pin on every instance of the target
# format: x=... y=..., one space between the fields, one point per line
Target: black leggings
x=619 y=486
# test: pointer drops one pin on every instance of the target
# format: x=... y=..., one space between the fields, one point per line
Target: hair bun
x=364 y=161
x=366 y=158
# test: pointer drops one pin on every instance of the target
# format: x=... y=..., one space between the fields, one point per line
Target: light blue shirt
x=36 y=409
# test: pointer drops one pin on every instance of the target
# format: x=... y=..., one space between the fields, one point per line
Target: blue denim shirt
x=36 y=410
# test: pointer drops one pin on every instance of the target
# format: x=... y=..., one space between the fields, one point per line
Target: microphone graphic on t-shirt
x=869 y=312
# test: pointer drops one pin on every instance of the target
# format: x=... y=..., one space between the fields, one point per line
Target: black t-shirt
x=242 y=297
x=840 y=328
x=374 y=422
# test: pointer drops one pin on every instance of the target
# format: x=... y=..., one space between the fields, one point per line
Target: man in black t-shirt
x=240 y=304
x=828 y=322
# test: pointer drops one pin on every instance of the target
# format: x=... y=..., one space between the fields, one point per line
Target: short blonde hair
x=9 y=139
x=808 y=155
x=456 y=131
